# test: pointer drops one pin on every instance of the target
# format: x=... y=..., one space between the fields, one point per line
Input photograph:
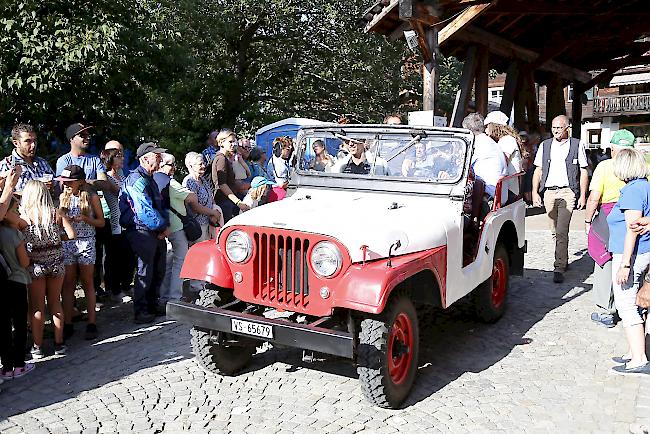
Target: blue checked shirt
x=36 y=170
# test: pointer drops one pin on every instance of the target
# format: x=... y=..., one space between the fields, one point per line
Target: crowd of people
x=122 y=235
x=116 y=234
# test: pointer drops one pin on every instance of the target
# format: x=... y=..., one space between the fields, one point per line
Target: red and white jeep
x=344 y=264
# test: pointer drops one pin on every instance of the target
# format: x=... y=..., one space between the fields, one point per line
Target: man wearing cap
x=92 y=166
x=23 y=138
x=561 y=175
x=146 y=222
x=605 y=188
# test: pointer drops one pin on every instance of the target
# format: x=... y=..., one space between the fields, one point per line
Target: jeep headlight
x=326 y=259
x=238 y=246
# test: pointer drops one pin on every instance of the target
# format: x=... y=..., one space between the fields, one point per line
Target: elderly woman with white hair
x=196 y=183
x=631 y=255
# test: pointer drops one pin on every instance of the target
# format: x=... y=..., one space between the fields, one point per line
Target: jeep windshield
x=396 y=154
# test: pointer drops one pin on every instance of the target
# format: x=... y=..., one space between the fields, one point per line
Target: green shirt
x=10 y=238
x=177 y=196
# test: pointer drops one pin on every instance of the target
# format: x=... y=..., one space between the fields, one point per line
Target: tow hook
x=308 y=356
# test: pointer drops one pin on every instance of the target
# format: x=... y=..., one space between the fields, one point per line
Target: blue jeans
x=151 y=254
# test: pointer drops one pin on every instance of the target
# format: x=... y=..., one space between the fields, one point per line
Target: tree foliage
x=174 y=70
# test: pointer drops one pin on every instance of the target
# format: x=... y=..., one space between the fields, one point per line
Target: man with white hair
x=561 y=174
x=145 y=219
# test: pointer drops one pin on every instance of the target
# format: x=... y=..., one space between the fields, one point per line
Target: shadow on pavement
x=122 y=349
x=454 y=342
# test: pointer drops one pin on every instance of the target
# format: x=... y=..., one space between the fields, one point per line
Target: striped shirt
x=36 y=170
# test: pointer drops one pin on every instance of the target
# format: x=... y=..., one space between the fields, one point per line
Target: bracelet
x=588 y=222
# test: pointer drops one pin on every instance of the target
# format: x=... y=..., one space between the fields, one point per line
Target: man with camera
x=23 y=138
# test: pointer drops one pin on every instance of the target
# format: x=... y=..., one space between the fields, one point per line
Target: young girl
x=14 y=306
x=45 y=251
x=258 y=191
x=82 y=205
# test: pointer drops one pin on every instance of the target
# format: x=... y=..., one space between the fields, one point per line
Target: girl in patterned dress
x=82 y=205
x=45 y=250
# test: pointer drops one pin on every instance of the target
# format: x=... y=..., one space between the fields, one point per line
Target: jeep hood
x=361 y=219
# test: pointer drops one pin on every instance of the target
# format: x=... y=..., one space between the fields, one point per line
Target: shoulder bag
x=191 y=227
x=643 y=296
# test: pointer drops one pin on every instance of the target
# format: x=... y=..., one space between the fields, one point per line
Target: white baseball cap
x=496 y=117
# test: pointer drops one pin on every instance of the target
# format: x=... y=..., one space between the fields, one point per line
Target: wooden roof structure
x=551 y=42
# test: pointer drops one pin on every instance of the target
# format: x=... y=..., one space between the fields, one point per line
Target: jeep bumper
x=305 y=336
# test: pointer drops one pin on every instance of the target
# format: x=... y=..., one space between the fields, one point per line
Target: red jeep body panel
x=279 y=274
x=205 y=261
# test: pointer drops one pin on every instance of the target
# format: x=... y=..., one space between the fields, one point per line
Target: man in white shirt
x=488 y=161
x=561 y=174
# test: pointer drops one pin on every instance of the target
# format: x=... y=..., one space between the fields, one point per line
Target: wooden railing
x=635 y=103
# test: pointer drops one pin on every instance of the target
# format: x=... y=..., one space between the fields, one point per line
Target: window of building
x=594 y=136
x=588 y=93
x=496 y=94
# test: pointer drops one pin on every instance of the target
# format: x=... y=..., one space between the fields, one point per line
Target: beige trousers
x=559 y=206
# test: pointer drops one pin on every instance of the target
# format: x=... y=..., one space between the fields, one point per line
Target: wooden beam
x=461 y=21
x=466 y=84
x=481 y=82
x=576 y=113
x=532 y=106
x=398 y=33
x=425 y=48
x=430 y=74
x=509 y=89
x=509 y=50
x=555 y=104
x=370 y=27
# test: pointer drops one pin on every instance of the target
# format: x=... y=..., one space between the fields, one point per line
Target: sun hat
x=259 y=181
x=72 y=173
x=623 y=139
x=496 y=117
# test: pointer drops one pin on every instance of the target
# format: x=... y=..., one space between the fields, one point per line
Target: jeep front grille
x=281 y=270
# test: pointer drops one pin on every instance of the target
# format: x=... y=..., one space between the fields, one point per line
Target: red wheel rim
x=400 y=348
x=498 y=282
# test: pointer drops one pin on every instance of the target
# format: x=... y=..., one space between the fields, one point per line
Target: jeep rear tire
x=217 y=352
x=489 y=297
x=387 y=355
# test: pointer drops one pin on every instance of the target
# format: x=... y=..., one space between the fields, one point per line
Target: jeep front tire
x=217 y=352
x=387 y=354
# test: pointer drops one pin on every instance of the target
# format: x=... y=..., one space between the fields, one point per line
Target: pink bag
x=598 y=236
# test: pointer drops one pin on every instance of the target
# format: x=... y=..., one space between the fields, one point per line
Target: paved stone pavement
x=543 y=368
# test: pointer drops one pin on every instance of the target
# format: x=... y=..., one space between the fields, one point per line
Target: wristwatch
x=647 y=277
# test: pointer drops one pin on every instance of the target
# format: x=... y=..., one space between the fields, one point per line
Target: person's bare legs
x=636 y=339
x=69 y=283
x=86 y=276
x=54 y=286
x=37 y=309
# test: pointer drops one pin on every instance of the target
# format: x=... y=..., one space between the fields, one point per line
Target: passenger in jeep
x=357 y=161
x=488 y=161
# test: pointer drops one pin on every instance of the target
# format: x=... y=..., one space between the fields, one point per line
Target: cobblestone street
x=543 y=368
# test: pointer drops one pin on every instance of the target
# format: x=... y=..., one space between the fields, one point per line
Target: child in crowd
x=45 y=250
x=258 y=191
x=82 y=205
x=14 y=306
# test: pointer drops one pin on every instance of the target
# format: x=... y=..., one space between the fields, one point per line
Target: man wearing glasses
x=23 y=138
x=561 y=175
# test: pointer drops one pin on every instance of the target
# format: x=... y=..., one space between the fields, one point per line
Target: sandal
x=19 y=372
x=621 y=359
x=637 y=370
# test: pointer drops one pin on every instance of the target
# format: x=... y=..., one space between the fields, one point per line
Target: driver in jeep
x=357 y=161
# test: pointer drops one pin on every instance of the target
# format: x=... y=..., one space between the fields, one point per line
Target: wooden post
x=532 y=106
x=555 y=104
x=576 y=111
x=430 y=74
x=481 y=83
x=466 y=84
x=512 y=76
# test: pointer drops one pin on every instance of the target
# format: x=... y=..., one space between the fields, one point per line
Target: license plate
x=252 y=328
